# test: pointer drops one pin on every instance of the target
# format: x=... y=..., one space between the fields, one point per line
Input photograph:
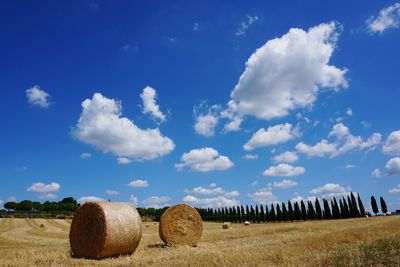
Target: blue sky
x=208 y=103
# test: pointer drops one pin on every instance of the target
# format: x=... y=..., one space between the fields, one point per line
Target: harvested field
x=353 y=242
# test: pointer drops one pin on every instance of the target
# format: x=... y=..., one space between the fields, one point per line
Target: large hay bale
x=181 y=225
x=246 y=223
x=103 y=229
x=226 y=225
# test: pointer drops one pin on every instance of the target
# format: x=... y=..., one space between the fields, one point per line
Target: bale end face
x=181 y=225
x=226 y=225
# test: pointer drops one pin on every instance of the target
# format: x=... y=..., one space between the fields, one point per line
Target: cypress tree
x=342 y=212
x=285 y=216
x=346 y=208
x=327 y=209
x=361 y=205
x=290 y=211
x=257 y=215
x=354 y=203
x=242 y=216
x=311 y=211
x=351 y=208
x=252 y=214
x=303 y=211
x=262 y=214
x=374 y=206
x=247 y=213
x=337 y=210
x=278 y=213
x=297 y=212
x=383 y=206
x=267 y=214
x=230 y=215
x=318 y=209
x=272 y=213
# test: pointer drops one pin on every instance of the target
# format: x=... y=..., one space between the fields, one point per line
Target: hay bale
x=226 y=225
x=147 y=225
x=41 y=226
x=181 y=225
x=246 y=223
x=103 y=229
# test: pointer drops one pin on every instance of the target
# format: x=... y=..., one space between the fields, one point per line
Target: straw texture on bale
x=103 y=229
x=226 y=225
x=181 y=225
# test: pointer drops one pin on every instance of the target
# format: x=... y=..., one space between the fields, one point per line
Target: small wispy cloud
x=245 y=24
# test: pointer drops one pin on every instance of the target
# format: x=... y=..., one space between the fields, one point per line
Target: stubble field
x=352 y=242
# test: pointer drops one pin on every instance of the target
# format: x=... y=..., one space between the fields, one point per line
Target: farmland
x=351 y=242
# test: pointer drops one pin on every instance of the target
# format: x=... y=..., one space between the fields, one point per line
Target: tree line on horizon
x=350 y=207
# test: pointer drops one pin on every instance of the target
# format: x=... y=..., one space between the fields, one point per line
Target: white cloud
x=297 y=199
x=44 y=188
x=139 y=183
x=284 y=184
x=350 y=166
x=196 y=26
x=101 y=125
x=263 y=196
x=392 y=144
x=393 y=166
x=149 y=96
x=38 y=97
x=90 y=199
x=214 y=202
x=284 y=169
x=286 y=157
x=204 y=160
x=232 y=194
x=273 y=135
x=206 y=122
x=349 y=112
x=206 y=191
x=244 y=25
x=156 y=202
x=365 y=124
x=134 y=200
x=123 y=160
x=395 y=190
x=1 y=204
x=376 y=173
x=254 y=183
x=213 y=185
x=250 y=156
x=86 y=155
x=287 y=73
x=11 y=199
x=112 y=193
x=344 y=142
x=388 y=17
x=330 y=190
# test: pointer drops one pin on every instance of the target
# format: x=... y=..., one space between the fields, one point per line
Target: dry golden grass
x=353 y=242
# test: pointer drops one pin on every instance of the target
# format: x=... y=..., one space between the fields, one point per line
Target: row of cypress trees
x=349 y=207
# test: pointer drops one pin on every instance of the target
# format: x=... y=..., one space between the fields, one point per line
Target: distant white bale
x=246 y=223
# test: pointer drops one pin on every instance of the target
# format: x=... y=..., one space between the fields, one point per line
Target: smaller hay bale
x=181 y=225
x=104 y=229
x=147 y=225
x=41 y=226
x=246 y=223
x=226 y=225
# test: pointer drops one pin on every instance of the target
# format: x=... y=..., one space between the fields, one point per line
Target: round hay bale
x=246 y=223
x=147 y=225
x=226 y=225
x=181 y=225
x=103 y=229
x=41 y=226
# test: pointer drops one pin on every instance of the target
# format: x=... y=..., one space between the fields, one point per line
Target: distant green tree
x=247 y=213
x=356 y=211
x=252 y=214
x=25 y=205
x=69 y=200
x=304 y=215
x=285 y=216
x=346 y=208
x=338 y=211
x=267 y=218
x=242 y=214
x=383 y=206
x=318 y=209
x=257 y=217
x=272 y=213
x=262 y=213
x=11 y=205
x=297 y=212
x=278 y=213
x=327 y=210
x=290 y=211
x=374 y=206
x=361 y=206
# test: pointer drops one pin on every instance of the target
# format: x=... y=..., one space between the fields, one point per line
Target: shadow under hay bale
x=104 y=229
x=181 y=225
x=226 y=225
